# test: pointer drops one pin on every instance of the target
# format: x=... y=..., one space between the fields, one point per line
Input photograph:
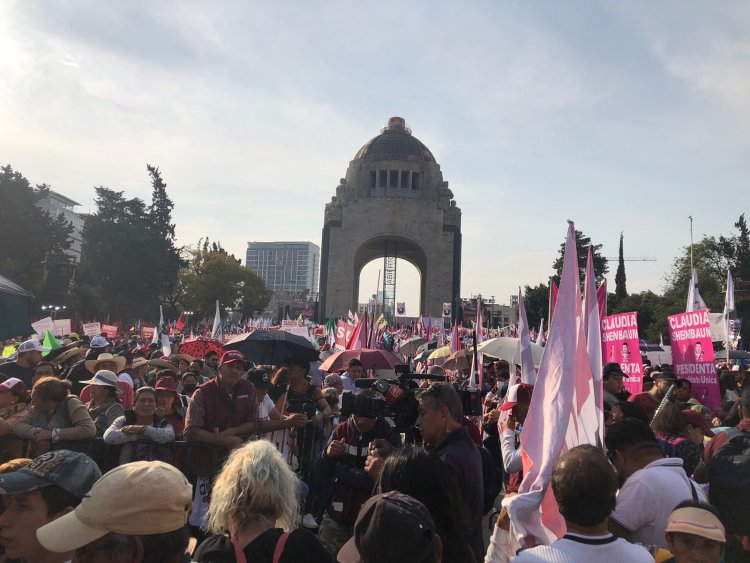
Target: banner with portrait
x=401 y=308
x=621 y=345
x=693 y=355
x=447 y=309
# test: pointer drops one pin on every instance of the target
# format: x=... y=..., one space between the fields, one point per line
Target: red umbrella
x=198 y=347
x=371 y=359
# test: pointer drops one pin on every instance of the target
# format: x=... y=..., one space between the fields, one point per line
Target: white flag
x=217 y=332
x=694 y=301
x=729 y=297
x=528 y=373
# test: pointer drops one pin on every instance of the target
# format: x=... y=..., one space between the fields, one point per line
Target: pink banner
x=110 y=330
x=344 y=332
x=693 y=355
x=147 y=332
x=620 y=344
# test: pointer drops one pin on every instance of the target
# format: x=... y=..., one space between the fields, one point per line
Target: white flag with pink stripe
x=561 y=415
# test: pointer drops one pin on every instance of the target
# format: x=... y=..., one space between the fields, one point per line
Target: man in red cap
x=223 y=410
x=516 y=403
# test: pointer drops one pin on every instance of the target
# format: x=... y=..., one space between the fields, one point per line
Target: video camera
x=400 y=402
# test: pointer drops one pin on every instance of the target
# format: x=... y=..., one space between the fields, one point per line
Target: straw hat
x=65 y=356
x=93 y=365
x=184 y=357
x=162 y=363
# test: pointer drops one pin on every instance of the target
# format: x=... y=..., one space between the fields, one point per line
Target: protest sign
x=693 y=354
x=302 y=331
x=620 y=344
x=92 y=329
x=43 y=325
x=110 y=330
x=290 y=322
x=147 y=332
x=401 y=308
x=62 y=327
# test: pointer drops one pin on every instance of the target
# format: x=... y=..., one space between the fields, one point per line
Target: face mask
x=189 y=388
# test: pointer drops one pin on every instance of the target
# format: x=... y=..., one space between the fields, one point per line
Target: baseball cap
x=134 y=499
x=259 y=378
x=233 y=356
x=698 y=420
x=166 y=383
x=72 y=471
x=520 y=393
x=390 y=527
x=696 y=522
x=31 y=345
x=98 y=342
x=665 y=375
x=15 y=386
x=612 y=368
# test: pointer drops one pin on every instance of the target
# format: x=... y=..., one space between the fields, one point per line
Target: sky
x=622 y=116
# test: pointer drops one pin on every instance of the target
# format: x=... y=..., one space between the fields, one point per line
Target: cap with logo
x=134 y=499
x=15 y=386
x=71 y=471
x=166 y=383
x=696 y=522
x=233 y=356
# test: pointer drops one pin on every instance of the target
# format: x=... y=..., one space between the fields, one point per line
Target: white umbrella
x=410 y=346
x=509 y=349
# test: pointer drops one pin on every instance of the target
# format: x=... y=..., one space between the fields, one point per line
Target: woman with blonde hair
x=254 y=511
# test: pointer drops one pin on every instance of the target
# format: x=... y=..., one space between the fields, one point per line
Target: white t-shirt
x=265 y=407
x=574 y=548
x=649 y=496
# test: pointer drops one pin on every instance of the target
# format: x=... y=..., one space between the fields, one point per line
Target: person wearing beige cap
x=135 y=513
x=695 y=534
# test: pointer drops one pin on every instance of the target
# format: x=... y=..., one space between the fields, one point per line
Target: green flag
x=50 y=342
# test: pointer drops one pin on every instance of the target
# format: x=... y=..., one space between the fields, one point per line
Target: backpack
x=491 y=479
x=729 y=480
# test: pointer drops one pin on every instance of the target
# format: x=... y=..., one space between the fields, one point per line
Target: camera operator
x=341 y=470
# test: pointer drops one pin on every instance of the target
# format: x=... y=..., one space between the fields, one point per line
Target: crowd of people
x=113 y=451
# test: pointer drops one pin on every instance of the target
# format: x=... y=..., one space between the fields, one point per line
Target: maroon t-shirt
x=646 y=401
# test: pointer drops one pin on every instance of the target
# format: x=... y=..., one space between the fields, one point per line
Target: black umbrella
x=273 y=347
x=733 y=355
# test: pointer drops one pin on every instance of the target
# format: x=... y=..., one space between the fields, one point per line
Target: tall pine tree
x=621 y=291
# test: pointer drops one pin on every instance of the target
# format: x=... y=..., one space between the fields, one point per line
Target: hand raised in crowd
x=336 y=448
x=297 y=420
x=492 y=416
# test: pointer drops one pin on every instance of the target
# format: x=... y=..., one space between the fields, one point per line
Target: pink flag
x=359 y=336
x=592 y=330
x=552 y=299
x=455 y=338
x=601 y=297
x=478 y=369
x=528 y=374
x=557 y=418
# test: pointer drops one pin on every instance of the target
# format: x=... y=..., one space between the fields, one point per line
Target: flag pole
x=691 y=244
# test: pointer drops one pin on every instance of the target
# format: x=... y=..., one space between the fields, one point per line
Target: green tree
x=213 y=274
x=29 y=233
x=582 y=249
x=650 y=307
x=621 y=291
x=536 y=302
x=130 y=263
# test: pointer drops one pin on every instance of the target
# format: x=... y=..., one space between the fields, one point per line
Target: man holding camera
x=341 y=470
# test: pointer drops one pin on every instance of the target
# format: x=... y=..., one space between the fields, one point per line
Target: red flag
x=180 y=322
x=455 y=338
